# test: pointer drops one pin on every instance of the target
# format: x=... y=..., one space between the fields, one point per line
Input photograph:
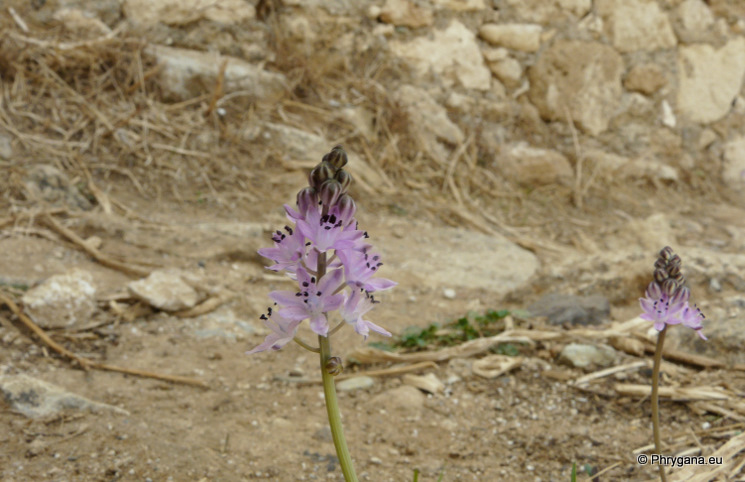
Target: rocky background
x=529 y=154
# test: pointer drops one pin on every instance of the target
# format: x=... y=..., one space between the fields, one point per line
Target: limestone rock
x=637 y=25
x=453 y=53
x=733 y=173
x=572 y=309
x=166 y=290
x=62 y=300
x=583 y=78
x=694 y=22
x=582 y=356
x=406 y=13
x=185 y=74
x=523 y=37
x=430 y=117
x=461 y=5
x=532 y=166
x=508 y=71
x=428 y=383
x=709 y=79
x=182 y=12
x=355 y=383
x=645 y=78
x=82 y=24
x=545 y=12
x=37 y=398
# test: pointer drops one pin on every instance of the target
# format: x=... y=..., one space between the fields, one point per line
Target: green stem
x=332 y=408
x=329 y=392
x=656 y=399
x=306 y=346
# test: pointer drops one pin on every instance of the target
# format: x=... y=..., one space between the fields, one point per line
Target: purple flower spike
x=660 y=308
x=287 y=251
x=283 y=331
x=313 y=299
x=328 y=231
x=357 y=305
x=360 y=266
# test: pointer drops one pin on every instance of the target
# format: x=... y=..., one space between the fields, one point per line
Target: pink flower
x=313 y=300
x=360 y=266
x=329 y=231
x=692 y=318
x=662 y=309
x=357 y=305
x=287 y=251
x=283 y=331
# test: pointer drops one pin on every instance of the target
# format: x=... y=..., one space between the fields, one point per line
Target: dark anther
x=306 y=284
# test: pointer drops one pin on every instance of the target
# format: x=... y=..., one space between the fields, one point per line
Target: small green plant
x=574 y=472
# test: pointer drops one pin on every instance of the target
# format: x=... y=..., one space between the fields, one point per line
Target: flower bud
x=320 y=173
x=670 y=287
x=346 y=207
x=344 y=178
x=660 y=275
x=337 y=157
x=306 y=198
x=329 y=192
x=334 y=366
x=666 y=253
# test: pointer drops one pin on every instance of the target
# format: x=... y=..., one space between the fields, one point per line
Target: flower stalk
x=656 y=400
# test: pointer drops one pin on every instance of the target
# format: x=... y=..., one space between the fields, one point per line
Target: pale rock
x=583 y=356
x=593 y=24
x=546 y=11
x=460 y=102
x=449 y=293
x=429 y=116
x=36 y=398
x=185 y=74
x=404 y=399
x=645 y=78
x=509 y=71
x=406 y=13
x=6 y=146
x=165 y=290
x=733 y=173
x=707 y=138
x=373 y=12
x=492 y=54
x=709 y=79
x=334 y=7
x=62 y=300
x=46 y=183
x=490 y=261
x=453 y=53
x=523 y=37
x=182 y=12
x=694 y=22
x=571 y=309
x=361 y=119
x=428 y=383
x=668 y=116
x=637 y=25
x=309 y=148
x=583 y=78
x=384 y=30
x=532 y=166
x=81 y=23
x=603 y=164
x=355 y=383
x=461 y=5
x=648 y=167
x=652 y=232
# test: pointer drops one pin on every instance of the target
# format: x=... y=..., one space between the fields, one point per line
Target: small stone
x=376 y=461
x=508 y=70
x=449 y=293
x=532 y=166
x=637 y=25
x=707 y=138
x=165 y=290
x=355 y=383
x=404 y=399
x=572 y=309
x=733 y=173
x=428 y=383
x=461 y=5
x=645 y=78
x=62 y=300
x=668 y=117
x=523 y=37
x=323 y=434
x=406 y=13
x=694 y=22
x=582 y=356
x=182 y=12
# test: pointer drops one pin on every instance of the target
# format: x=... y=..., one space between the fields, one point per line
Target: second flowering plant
x=334 y=265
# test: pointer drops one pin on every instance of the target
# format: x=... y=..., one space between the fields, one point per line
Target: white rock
x=449 y=293
x=453 y=53
x=428 y=115
x=6 y=147
x=461 y=5
x=582 y=79
x=62 y=300
x=428 y=383
x=668 y=116
x=492 y=54
x=544 y=12
x=733 y=173
x=181 y=12
x=523 y=37
x=648 y=167
x=165 y=290
x=581 y=356
x=78 y=21
x=637 y=25
x=709 y=79
x=406 y=13
x=355 y=383
x=509 y=71
x=185 y=74
x=533 y=166
x=694 y=21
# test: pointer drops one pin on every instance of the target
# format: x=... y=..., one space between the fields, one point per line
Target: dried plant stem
x=656 y=399
x=332 y=403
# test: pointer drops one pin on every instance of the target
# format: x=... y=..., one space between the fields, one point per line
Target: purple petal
x=294 y=313
x=286 y=298
x=379 y=284
x=319 y=325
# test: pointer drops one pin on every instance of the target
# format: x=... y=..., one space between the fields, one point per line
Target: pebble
x=449 y=293
x=355 y=383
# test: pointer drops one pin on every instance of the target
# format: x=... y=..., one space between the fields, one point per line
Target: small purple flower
x=329 y=231
x=313 y=300
x=287 y=251
x=283 y=331
x=662 y=309
x=692 y=318
x=360 y=266
x=355 y=306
